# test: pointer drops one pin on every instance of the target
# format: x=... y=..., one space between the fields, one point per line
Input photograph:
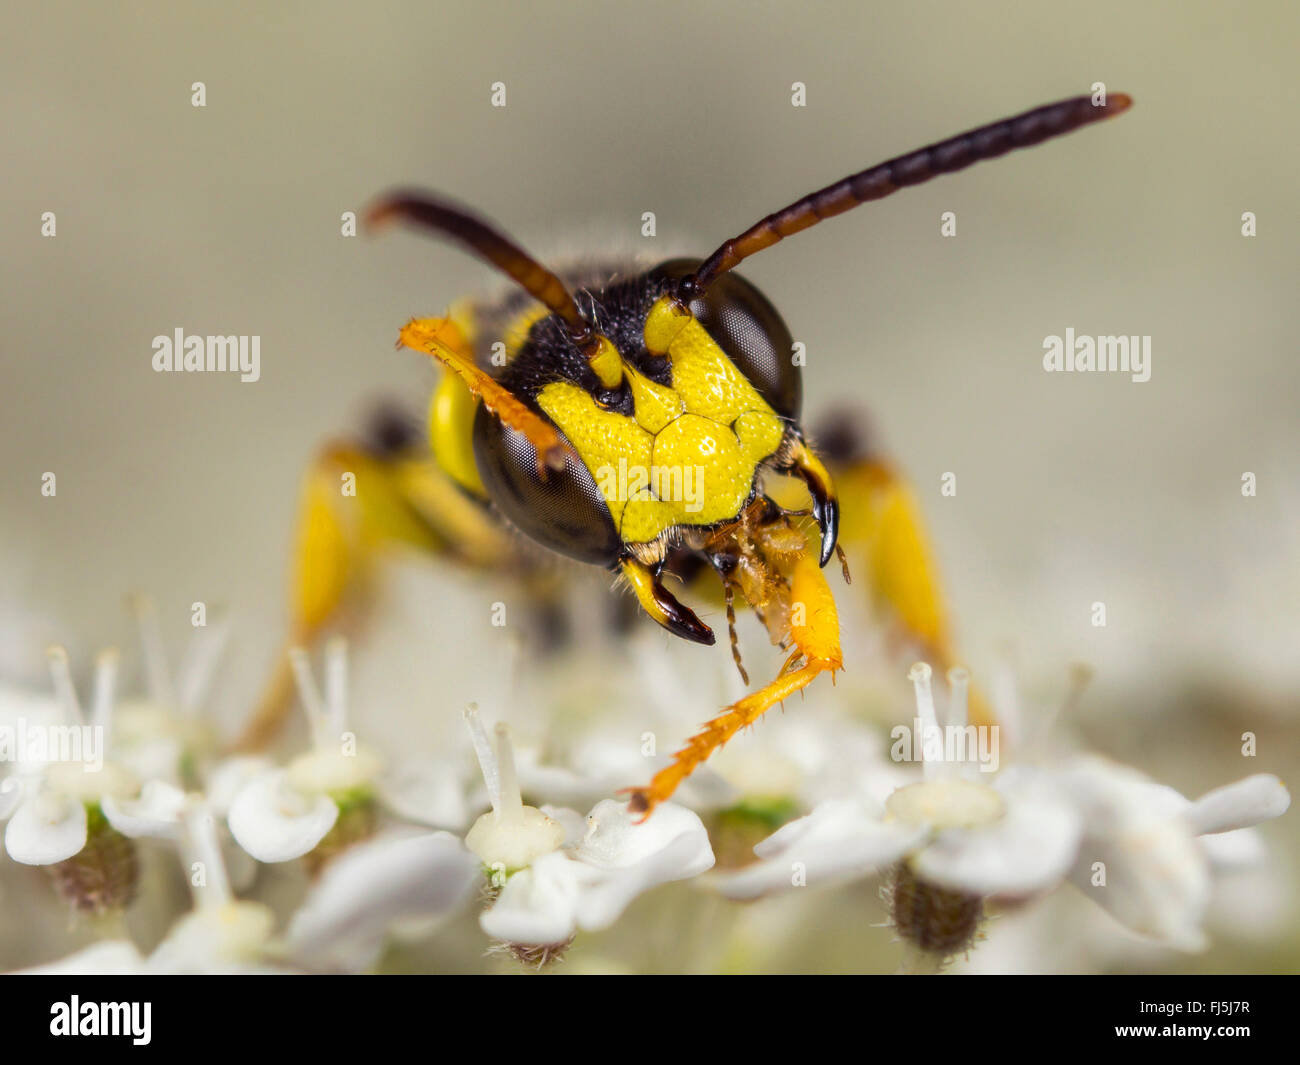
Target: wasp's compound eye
x=565 y=511
x=748 y=328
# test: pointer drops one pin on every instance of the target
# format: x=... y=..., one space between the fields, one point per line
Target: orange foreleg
x=815 y=633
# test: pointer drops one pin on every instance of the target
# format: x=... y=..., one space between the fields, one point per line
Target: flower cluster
x=389 y=854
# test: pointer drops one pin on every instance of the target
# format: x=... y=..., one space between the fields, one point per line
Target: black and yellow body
x=631 y=418
x=705 y=400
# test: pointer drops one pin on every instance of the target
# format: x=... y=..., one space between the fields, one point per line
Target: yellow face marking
x=690 y=452
x=601 y=437
x=607 y=363
x=665 y=320
x=655 y=406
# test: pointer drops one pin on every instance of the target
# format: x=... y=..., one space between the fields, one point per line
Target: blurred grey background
x=1071 y=488
x=225 y=219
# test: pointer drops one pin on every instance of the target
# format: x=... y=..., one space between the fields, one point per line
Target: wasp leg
x=355 y=506
x=815 y=632
x=351 y=502
x=883 y=519
x=443 y=339
x=660 y=604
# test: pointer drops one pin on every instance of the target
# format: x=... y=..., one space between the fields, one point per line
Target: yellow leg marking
x=815 y=632
x=882 y=516
x=443 y=339
x=273 y=707
x=337 y=538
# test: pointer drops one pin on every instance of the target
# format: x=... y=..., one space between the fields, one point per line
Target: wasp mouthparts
x=827 y=514
x=683 y=622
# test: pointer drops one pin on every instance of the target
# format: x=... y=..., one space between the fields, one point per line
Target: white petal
x=11 y=794
x=840 y=838
x=602 y=764
x=275 y=823
x=1240 y=805
x=1029 y=849
x=592 y=770
x=154 y=759
x=1240 y=849
x=614 y=840
x=1108 y=793
x=538 y=906
x=604 y=899
x=156 y=813
x=395 y=876
x=1157 y=876
x=434 y=796
x=45 y=829
x=224 y=938
x=573 y=823
x=113 y=957
x=228 y=778
x=1157 y=882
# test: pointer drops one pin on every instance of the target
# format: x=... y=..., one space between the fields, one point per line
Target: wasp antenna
x=944 y=157
x=479 y=238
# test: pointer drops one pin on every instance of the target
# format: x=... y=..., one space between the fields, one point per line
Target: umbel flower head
x=55 y=804
x=951 y=840
x=164 y=735
x=325 y=798
x=556 y=872
x=221 y=934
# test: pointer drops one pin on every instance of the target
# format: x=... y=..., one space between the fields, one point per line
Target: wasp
x=680 y=373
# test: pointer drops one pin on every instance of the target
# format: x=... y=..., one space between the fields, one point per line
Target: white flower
x=155 y=813
x=163 y=736
x=589 y=884
x=559 y=874
x=221 y=934
x=1141 y=858
x=510 y=835
x=1015 y=837
x=47 y=805
x=281 y=814
x=396 y=878
x=432 y=794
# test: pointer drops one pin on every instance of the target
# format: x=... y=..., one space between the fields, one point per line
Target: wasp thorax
x=935 y=920
x=102 y=877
